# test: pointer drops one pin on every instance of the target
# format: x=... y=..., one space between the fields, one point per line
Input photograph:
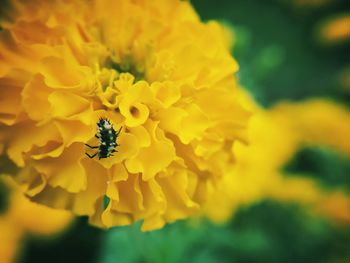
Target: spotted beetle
x=107 y=137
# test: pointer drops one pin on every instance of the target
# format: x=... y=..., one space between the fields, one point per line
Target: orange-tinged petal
x=11 y=87
x=74 y=131
x=66 y=171
x=85 y=201
x=10 y=238
x=26 y=135
x=111 y=217
x=37 y=218
x=34 y=97
x=61 y=74
x=65 y=104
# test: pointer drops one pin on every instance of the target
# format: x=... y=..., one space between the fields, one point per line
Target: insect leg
x=92 y=147
x=98 y=137
x=91 y=156
x=119 y=130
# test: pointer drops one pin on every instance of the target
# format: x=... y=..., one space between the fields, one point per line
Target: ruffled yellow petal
x=66 y=171
x=166 y=93
x=25 y=136
x=34 y=98
x=318 y=122
x=64 y=104
x=154 y=158
x=96 y=177
x=11 y=86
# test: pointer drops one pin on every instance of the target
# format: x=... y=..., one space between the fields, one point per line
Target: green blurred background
x=281 y=58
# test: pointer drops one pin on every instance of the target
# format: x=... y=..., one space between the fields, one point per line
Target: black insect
x=108 y=139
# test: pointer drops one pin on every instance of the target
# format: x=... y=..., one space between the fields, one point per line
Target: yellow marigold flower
x=317 y=122
x=271 y=144
x=334 y=205
x=150 y=67
x=275 y=136
x=335 y=29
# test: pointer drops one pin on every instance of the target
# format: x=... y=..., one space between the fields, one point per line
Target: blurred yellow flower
x=270 y=145
x=150 y=67
x=23 y=217
x=333 y=204
x=275 y=137
x=335 y=29
x=316 y=122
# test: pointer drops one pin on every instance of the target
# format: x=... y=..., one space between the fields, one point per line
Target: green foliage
x=325 y=165
x=80 y=243
x=3 y=197
x=265 y=233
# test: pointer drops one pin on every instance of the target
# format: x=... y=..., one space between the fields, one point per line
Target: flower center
x=128 y=67
x=114 y=81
